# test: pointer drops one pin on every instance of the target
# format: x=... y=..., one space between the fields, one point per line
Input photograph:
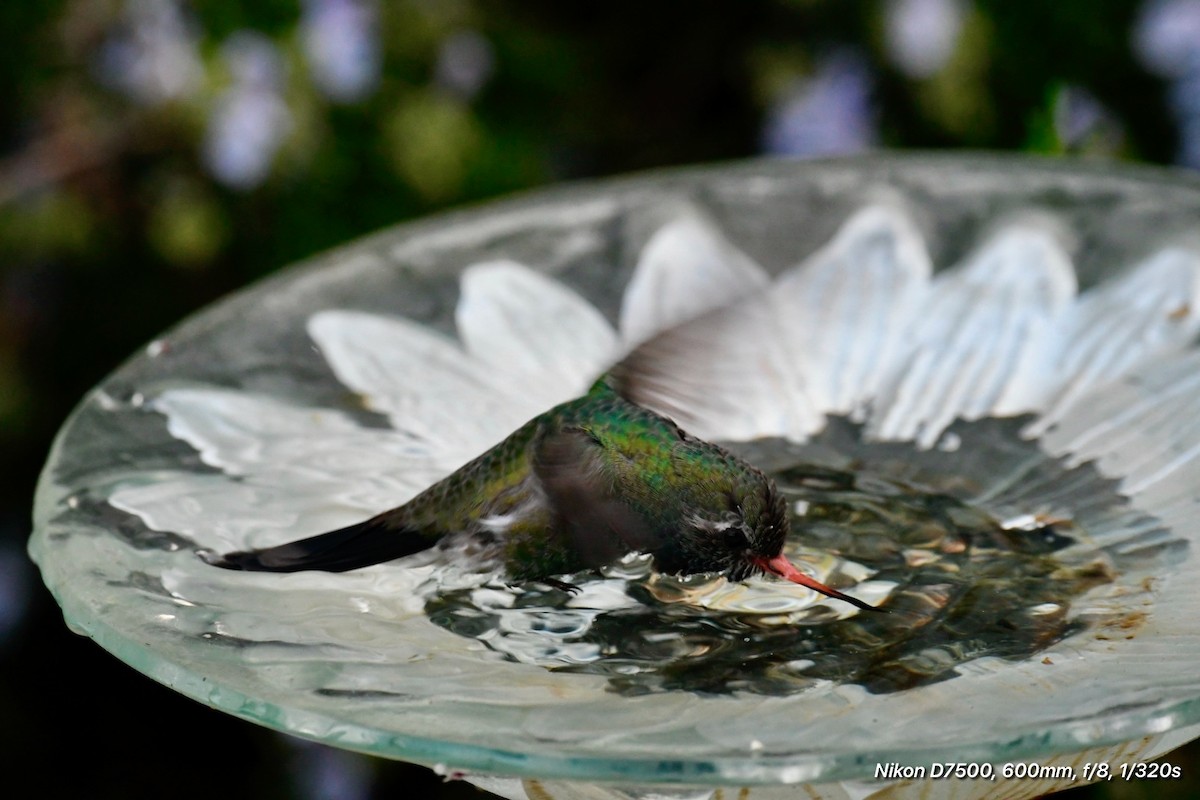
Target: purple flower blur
x=16 y=579
x=1166 y=38
x=1082 y=123
x=323 y=773
x=341 y=44
x=829 y=113
x=251 y=118
x=922 y=34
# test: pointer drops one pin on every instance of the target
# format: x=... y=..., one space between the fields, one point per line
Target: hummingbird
x=577 y=488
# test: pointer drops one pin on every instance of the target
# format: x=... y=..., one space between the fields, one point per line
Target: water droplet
x=1043 y=609
x=1022 y=522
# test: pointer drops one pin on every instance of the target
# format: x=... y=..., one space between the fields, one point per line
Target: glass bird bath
x=975 y=379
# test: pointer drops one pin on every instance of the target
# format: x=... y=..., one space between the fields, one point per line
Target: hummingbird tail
x=371 y=542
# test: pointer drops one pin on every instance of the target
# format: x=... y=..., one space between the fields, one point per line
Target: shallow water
x=977 y=548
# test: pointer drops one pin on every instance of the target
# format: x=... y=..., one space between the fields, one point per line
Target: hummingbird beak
x=779 y=565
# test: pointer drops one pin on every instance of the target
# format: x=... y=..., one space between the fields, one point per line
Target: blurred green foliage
x=114 y=223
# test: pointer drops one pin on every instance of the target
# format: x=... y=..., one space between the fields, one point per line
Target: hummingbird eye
x=736 y=538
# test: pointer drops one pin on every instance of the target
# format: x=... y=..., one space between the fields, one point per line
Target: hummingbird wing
x=381 y=538
x=728 y=374
x=574 y=470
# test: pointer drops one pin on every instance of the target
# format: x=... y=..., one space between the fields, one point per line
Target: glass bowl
x=1005 y=346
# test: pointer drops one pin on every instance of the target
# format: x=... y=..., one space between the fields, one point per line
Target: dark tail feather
x=361 y=545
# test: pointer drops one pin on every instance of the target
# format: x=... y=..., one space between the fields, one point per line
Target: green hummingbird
x=577 y=488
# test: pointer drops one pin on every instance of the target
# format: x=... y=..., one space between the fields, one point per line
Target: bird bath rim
x=752 y=767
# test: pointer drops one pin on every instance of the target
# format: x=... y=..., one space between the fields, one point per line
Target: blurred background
x=158 y=154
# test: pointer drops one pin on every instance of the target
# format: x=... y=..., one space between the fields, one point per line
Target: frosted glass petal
x=223 y=515
x=250 y=434
x=425 y=383
x=843 y=311
x=298 y=470
x=504 y=316
x=1144 y=428
x=686 y=269
x=1153 y=309
x=981 y=322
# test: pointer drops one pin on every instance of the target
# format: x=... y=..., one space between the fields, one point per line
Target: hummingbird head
x=736 y=530
x=747 y=538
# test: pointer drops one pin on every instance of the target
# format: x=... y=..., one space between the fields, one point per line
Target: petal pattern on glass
x=1144 y=429
x=687 y=268
x=858 y=327
x=426 y=384
x=921 y=35
x=248 y=434
x=550 y=341
x=1146 y=424
x=222 y=515
x=1152 y=310
x=342 y=47
x=844 y=308
x=980 y=323
x=299 y=469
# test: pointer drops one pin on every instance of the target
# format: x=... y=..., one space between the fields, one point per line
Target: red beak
x=779 y=565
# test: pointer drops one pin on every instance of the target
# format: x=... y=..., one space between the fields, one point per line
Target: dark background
x=157 y=154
